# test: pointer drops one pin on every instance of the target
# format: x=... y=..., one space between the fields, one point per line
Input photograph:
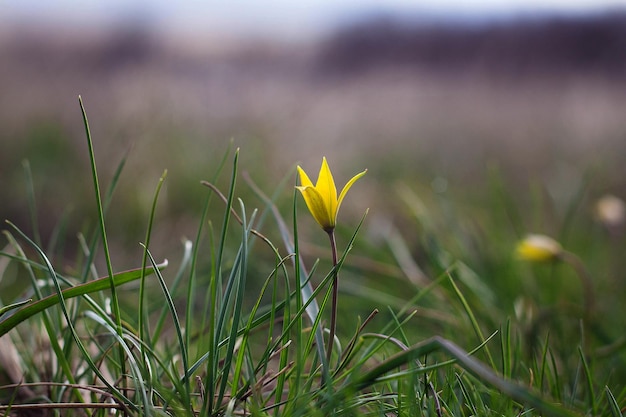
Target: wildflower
x=610 y=211
x=321 y=198
x=542 y=248
x=539 y=248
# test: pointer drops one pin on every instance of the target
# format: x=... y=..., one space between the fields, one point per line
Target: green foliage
x=454 y=325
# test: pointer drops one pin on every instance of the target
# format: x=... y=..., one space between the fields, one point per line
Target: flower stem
x=333 y=316
x=586 y=280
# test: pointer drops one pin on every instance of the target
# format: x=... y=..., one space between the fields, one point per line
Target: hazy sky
x=276 y=17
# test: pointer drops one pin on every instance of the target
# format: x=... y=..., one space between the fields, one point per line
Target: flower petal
x=538 y=248
x=304 y=179
x=326 y=187
x=346 y=188
x=317 y=206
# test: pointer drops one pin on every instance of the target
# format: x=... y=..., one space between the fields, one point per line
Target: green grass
x=436 y=315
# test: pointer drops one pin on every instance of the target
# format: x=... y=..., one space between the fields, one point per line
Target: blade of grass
x=507 y=355
x=247 y=330
x=191 y=286
x=69 y=323
x=184 y=264
x=544 y=362
x=212 y=363
x=142 y=322
x=589 y=380
x=469 y=399
x=32 y=206
x=613 y=405
x=91 y=252
x=90 y=287
x=105 y=245
x=13 y=306
x=517 y=392
x=472 y=317
x=290 y=246
x=134 y=366
x=557 y=380
x=179 y=333
x=64 y=368
x=239 y=295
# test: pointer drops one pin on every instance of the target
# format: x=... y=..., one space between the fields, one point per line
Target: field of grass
x=208 y=289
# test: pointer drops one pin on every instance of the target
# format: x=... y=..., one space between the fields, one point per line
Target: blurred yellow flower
x=538 y=248
x=321 y=198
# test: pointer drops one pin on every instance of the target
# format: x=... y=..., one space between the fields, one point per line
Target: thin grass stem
x=333 y=312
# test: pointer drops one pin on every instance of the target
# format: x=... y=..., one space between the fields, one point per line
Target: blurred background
x=438 y=95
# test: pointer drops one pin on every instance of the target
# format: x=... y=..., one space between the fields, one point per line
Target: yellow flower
x=321 y=198
x=538 y=248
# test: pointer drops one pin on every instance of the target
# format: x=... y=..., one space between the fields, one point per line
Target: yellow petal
x=317 y=206
x=346 y=188
x=538 y=248
x=304 y=179
x=326 y=187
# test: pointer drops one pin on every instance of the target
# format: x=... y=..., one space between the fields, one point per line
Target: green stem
x=333 y=316
x=586 y=280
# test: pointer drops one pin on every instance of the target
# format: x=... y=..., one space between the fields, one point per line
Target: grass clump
x=195 y=340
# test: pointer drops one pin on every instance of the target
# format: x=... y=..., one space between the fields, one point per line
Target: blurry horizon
x=282 y=21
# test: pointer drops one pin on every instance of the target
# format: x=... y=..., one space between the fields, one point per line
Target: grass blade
x=69 y=323
x=589 y=380
x=472 y=317
x=114 y=300
x=90 y=287
x=613 y=405
x=179 y=333
x=144 y=333
x=436 y=343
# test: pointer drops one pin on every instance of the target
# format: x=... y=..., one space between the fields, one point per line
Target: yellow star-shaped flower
x=321 y=198
x=538 y=248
